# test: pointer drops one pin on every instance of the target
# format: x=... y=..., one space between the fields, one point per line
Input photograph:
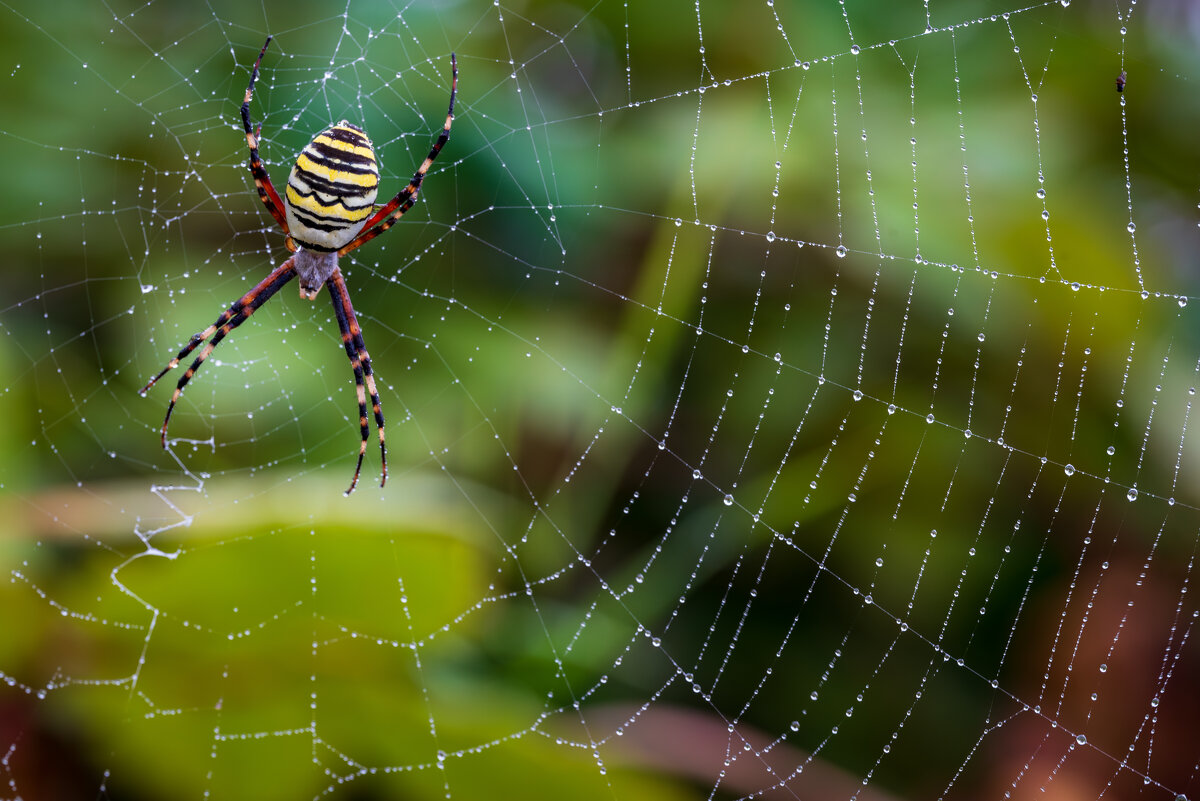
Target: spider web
x=784 y=400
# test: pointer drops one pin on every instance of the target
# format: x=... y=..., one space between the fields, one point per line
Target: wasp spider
x=328 y=210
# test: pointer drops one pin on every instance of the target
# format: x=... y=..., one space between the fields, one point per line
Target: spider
x=330 y=192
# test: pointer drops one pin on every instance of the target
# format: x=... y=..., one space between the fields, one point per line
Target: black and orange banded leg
x=262 y=181
x=360 y=361
x=386 y=217
x=230 y=319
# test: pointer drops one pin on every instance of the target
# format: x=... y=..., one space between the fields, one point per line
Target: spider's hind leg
x=262 y=181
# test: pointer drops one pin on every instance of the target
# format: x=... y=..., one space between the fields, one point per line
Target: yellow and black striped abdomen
x=331 y=190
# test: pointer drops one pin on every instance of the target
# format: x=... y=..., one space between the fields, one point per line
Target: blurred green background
x=683 y=501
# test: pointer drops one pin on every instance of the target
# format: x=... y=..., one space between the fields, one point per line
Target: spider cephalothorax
x=329 y=211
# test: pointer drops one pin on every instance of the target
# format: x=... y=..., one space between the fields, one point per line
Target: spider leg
x=262 y=181
x=386 y=217
x=360 y=361
x=230 y=319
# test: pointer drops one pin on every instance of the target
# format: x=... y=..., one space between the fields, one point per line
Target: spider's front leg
x=360 y=361
x=230 y=319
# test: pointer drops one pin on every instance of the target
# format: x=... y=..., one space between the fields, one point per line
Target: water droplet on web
x=858 y=394
x=841 y=251
x=727 y=500
x=1069 y=469
x=696 y=474
x=1132 y=494
x=854 y=49
x=1131 y=227
x=1081 y=739
x=929 y=417
x=770 y=236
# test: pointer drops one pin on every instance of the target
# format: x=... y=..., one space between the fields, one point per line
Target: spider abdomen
x=331 y=189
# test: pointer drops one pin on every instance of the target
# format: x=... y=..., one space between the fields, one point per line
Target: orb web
x=783 y=400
